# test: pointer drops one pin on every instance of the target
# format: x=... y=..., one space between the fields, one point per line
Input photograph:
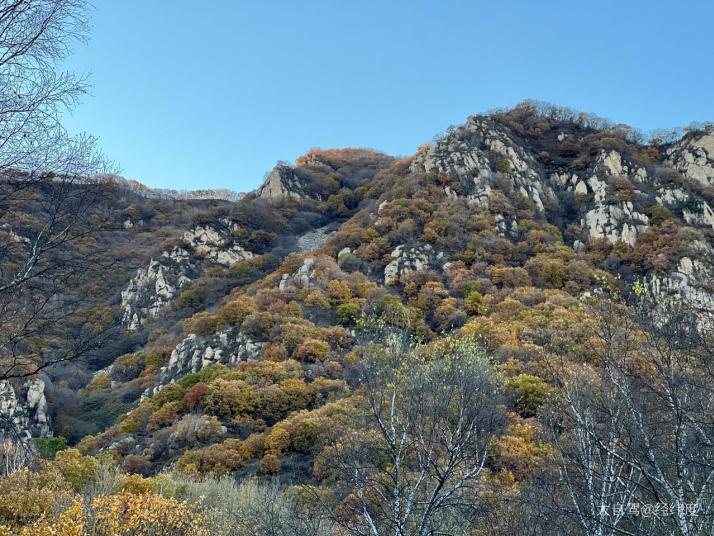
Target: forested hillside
x=493 y=331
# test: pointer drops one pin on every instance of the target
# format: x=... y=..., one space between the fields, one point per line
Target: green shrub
x=201 y=324
x=348 y=313
x=658 y=214
x=293 y=310
x=235 y=312
x=474 y=302
x=128 y=366
x=190 y=299
x=528 y=393
x=47 y=447
x=99 y=382
x=311 y=350
x=503 y=166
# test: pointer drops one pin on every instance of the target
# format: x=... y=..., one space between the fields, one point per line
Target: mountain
x=166 y=193
x=237 y=318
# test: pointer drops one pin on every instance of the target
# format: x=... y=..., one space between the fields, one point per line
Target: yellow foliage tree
x=145 y=515
x=71 y=522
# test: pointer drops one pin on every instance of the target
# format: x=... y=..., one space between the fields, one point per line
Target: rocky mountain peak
x=321 y=173
x=559 y=159
x=693 y=156
x=477 y=152
x=282 y=182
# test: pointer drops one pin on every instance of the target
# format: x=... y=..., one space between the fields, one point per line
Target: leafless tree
x=51 y=213
x=413 y=463
x=633 y=428
x=35 y=36
x=587 y=425
x=48 y=209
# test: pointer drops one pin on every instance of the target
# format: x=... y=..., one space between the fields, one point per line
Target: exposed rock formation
x=484 y=153
x=314 y=239
x=406 y=260
x=615 y=222
x=301 y=278
x=691 y=282
x=208 y=243
x=505 y=225
x=471 y=151
x=195 y=353
x=281 y=182
x=696 y=212
x=693 y=156
x=611 y=164
x=23 y=409
x=153 y=287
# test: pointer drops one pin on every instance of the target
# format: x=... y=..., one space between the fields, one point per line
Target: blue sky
x=211 y=94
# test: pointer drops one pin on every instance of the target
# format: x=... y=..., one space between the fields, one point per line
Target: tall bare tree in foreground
x=415 y=461
x=634 y=428
x=49 y=213
x=48 y=217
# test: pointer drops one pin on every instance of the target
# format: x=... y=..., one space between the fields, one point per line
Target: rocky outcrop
x=701 y=215
x=301 y=278
x=505 y=225
x=23 y=410
x=153 y=287
x=695 y=212
x=615 y=222
x=195 y=353
x=611 y=164
x=282 y=182
x=208 y=243
x=409 y=259
x=607 y=217
x=693 y=156
x=474 y=150
x=314 y=239
x=690 y=283
x=480 y=149
x=484 y=153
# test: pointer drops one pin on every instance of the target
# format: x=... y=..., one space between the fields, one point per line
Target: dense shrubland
x=490 y=430
x=76 y=495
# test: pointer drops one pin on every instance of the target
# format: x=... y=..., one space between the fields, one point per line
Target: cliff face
x=154 y=287
x=282 y=182
x=693 y=156
x=23 y=410
x=468 y=151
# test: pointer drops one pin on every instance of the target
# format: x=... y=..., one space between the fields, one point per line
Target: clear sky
x=204 y=94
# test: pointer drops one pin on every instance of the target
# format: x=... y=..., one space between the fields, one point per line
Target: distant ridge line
x=169 y=193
